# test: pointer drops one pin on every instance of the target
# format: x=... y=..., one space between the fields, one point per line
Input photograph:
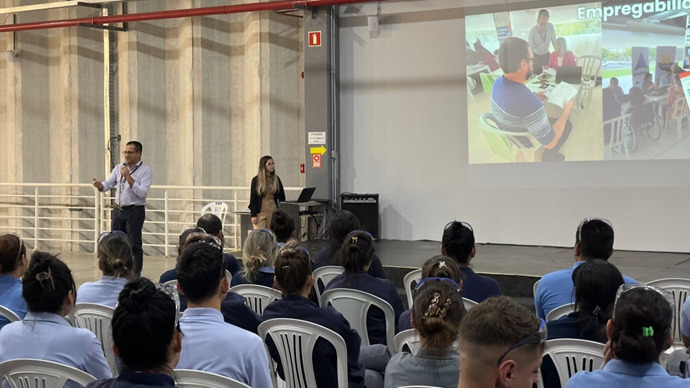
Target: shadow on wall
x=396 y=224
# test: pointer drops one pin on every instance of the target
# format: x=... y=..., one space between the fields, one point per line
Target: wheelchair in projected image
x=648 y=118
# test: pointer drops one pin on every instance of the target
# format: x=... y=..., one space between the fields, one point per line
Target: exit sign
x=314 y=38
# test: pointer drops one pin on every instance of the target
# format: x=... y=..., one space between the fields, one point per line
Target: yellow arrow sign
x=317 y=150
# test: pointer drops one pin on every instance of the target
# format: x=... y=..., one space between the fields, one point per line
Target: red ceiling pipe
x=178 y=13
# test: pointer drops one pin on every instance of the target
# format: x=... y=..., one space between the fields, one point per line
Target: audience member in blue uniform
x=146 y=337
x=116 y=264
x=357 y=250
x=436 y=267
x=596 y=282
x=259 y=255
x=283 y=226
x=501 y=345
x=438 y=310
x=593 y=240
x=294 y=278
x=342 y=223
x=639 y=331
x=214 y=226
x=209 y=343
x=13 y=264
x=48 y=289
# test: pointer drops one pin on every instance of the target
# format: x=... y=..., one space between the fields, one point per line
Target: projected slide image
x=578 y=83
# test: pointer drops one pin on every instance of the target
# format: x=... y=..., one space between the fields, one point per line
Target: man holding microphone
x=132 y=180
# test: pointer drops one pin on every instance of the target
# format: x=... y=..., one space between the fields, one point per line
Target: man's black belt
x=127 y=207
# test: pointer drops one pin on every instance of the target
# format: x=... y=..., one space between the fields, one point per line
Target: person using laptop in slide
x=516 y=109
x=265 y=194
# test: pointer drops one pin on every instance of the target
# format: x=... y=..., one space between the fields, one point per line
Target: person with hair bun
x=259 y=255
x=116 y=263
x=437 y=267
x=146 y=337
x=13 y=264
x=294 y=279
x=48 y=289
x=436 y=316
x=639 y=331
x=356 y=252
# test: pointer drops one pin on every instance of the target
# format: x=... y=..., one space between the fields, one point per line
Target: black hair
x=458 y=242
x=356 y=250
x=200 y=270
x=210 y=223
x=543 y=13
x=115 y=255
x=137 y=146
x=636 y=311
x=11 y=247
x=637 y=97
x=437 y=311
x=293 y=268
x=143 y=325
x=511 y=54
x=46 y=283
x=342 y=223
x=282 y=225
x=596 y=282
x=596 y=240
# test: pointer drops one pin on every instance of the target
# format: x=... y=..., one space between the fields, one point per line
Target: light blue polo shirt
x=623 y=374
x=105 y=291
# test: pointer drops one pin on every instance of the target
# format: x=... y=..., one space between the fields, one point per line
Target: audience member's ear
x=506 y=373
x=177 y=341
x=310 y=281
x=412 y=319
x=668 y=342
x=116 y=350
x=577 y=250
x=474 y=252
x=224 y=285
x=609 y=329
x=179 y=289
x=443 y=251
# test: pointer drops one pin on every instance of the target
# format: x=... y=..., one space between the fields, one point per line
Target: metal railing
x=71 y=216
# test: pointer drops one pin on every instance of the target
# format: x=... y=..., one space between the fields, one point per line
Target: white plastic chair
x=188 y=378
x=407 y=337
x=571 y=355
x=325 y=274
x=96 y=318
x=354 y=305
x=591 y=70
x=468 y=303
x=679 y=288
x=411 y=277
x=9 y=314
x=534 y=288
x=220 y=209
x=560 y=311
x=257 y=297
x=522 y=146
x=32 y=373
x=617 y=142
x=680 y=113
x=294 y=340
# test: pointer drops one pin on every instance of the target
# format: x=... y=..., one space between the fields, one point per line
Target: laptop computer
x=305 y=195
x=571 y=74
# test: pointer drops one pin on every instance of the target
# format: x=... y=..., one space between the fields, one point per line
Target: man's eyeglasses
x=447 y=280
x=129 y=152
x=536 y=338
x=463 y=223
x=668 y=296
x=107 y=233
x=588 y=219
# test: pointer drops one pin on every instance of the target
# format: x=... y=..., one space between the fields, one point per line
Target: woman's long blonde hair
x=260 y=250
x=265 y=184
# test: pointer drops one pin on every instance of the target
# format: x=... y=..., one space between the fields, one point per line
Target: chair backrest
x=323 y=276
x=96 y=318
x=680 y=108
x=412 y=276
x=521 y=140
x=9 y=314
x=487 y=82
x=220 y=209
x=591 y=66
x=32 y=373
x=560 y=311
x=188 y=378
x=534 y=288
x=571 y=355
x=497 y=142
x=407 y=337
x=295 y=339
x=354 y=304
x=468 y=303
x=617 y=127
x=679 y=288
x=257 y=297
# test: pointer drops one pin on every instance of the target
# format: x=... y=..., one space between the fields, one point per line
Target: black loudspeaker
x=365 y=207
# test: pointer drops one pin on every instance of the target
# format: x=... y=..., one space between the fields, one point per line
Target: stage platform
x=516 y=268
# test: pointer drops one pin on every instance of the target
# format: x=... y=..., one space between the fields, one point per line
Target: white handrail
x=168 y=213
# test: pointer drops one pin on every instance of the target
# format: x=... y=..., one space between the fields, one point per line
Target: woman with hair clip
x=146 y=337
x=436 y=316
x=342 y=223
x=295 y=280
x=48 y=289
x=437 y=267
x=266 y=193
x=259 y=255
x=356 y=252
x=596 y=283
x=13 y=264
x=115 y=262
x=638 y=332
